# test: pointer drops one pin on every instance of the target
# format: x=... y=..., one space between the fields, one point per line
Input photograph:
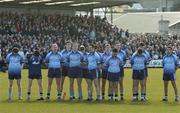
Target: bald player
x=54 y=59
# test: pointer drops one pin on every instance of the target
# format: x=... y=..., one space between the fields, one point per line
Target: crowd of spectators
x=30 y=30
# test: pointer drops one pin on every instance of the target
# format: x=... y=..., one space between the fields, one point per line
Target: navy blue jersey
x=34 y=64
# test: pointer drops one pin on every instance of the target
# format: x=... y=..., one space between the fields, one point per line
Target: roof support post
x=105 y=12
x=91 y=12
x=111 y=14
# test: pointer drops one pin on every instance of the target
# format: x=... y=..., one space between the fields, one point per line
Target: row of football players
x=91 y=65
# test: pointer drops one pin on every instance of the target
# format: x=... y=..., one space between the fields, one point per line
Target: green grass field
x=153 y=105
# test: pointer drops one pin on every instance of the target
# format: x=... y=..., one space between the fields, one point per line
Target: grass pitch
x=153 y=105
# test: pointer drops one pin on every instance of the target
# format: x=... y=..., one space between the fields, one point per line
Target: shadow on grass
x=72 y=102
x=172 y=103
x=102 y=102
x=140 y=103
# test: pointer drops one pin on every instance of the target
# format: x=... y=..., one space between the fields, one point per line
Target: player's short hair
x=55 y=44
x=140 y=51
x=93 y=46
x=68 y=42
x=15 y=46
x=114 y=50
x=169 y=46
x=82 y=47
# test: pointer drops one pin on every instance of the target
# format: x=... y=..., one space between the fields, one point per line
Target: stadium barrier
x=152 y=64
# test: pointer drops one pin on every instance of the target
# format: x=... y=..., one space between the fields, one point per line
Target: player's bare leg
x=10 y=89
x=165 y=98
x=19 y=89
x=50 y=81
x=71 y=88
x=115 y=88
x=90 y=89
x=121 y=87
x=39 y=81
x=29 y=89
x=175 y=90
x=96 y=83
x=103 y=88
x=58 y=84
x=143 y=90
x=135 y=90
x=62 y=83
x=110 y=96
x=79 y=82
